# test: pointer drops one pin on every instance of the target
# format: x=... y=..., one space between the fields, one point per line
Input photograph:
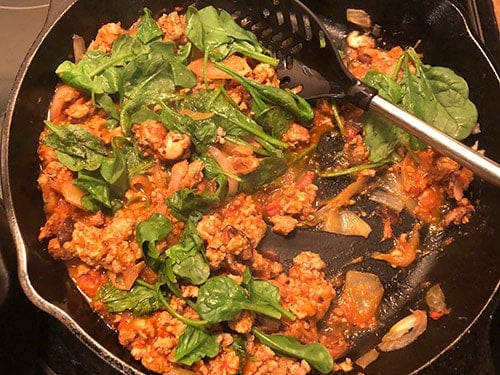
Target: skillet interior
x=467 y=268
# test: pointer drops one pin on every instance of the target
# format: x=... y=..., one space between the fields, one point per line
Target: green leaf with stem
x=316 y=354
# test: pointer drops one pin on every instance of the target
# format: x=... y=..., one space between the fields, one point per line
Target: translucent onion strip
x=225 y=163
x=391 y=194
x=404 y=332
x=436 y=301
x=367 y=358
x=344 y=222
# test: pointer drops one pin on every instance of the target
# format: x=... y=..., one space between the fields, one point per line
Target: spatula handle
x=480 y=165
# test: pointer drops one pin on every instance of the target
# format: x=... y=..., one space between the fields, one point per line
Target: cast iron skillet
x=467 y=267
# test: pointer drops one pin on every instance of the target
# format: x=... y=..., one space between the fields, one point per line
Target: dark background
x=31 y=342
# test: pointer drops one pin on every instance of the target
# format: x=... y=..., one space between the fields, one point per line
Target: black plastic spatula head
x=310 y=59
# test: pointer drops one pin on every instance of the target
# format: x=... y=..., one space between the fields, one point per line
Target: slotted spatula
x=305 y=47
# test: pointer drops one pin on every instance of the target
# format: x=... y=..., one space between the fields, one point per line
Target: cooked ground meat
x=232 y=231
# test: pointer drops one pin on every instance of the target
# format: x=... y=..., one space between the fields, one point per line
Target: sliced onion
x=367 y=358
x=436 y=301
x=387 y=199
x=360 y=298
x=72 y=193
x=78 y=48
x=126 y=279
x=141 y=183
x=344 y=222
x=359 y=17
x=345 y=366
x=345 y=196
x=222 y=159
x=404 y=332
x=196 y=115
x=391 y=194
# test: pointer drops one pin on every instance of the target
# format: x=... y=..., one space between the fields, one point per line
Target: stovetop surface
x=32 y=342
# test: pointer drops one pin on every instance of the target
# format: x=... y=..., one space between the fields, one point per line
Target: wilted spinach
x=140 y=300
x=148 y=233
x=268 y=170
x=187 y=256
x=186 y=201
x=234 y=122
x=184 y=259
x=102 y=174
x=75 y=147
x=220 y=299
x=136 y=162
x=195 y=344
x=214 y=172
x=217 y=36
x=435 y=94
x=291 y=103
x=264 y=293
x=202 y=132
x=148 y=30
x=151 y=78
x=99 y=193
x=140 y=70
x=316 y=354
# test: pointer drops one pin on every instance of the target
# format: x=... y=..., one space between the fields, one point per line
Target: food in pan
x=169 y=151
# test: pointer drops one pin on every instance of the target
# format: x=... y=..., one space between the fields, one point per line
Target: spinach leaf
x=234 y=122
x=292 y=103
x=217 y=36
x=185 y=201
x=143 y=114
x=434 y=94
x=140 y=299
x=438 y=96
x=152 y=78
x=239 y=346
x=456 y=115
x=148 y=30
x=264 y=293
x=187 y=256
x=140 y=70
x=98 y=193
x=115 y=173
x=148 y=233
x=275 y=120
x=99 y=72
x=214 y=172
x=184 y=259
x=115 y=168
x=194 y=268
x=316 y=354
x=105 y=179
x=105 y=101
x=136 y=163
x=268 y=170
x=75 y=147
x=195 y=344
x=381 y=137
x=202 y=132
x=387 y=87
x=220 y=299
